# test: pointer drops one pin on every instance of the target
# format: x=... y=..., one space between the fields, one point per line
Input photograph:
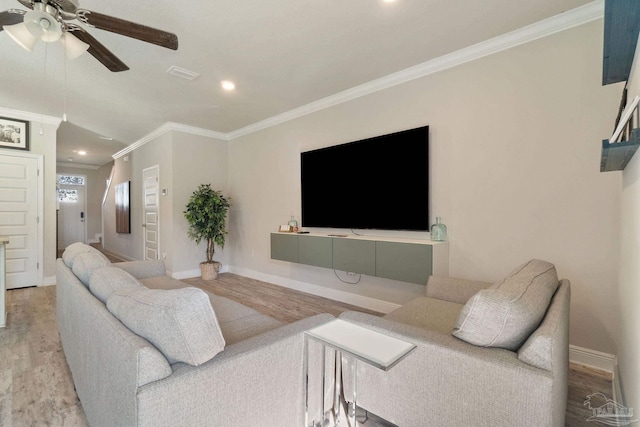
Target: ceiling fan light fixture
x=21 y=35
x=73 y=46
x=43 y=25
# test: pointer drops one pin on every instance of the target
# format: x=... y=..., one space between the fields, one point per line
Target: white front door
x=71 y=215
x=150 y=222
x=19 y=218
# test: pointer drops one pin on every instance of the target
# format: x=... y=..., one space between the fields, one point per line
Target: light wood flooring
x=36 y=388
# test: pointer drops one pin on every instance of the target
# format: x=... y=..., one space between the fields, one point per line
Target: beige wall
x=197 y=160
x=129 y=168
x=628 y=337
x=184 y=161
x=515 y=175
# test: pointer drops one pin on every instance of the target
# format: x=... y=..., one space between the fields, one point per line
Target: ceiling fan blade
x=66 y=6
x=27 y=3
x=97 y=49
x=10 y=17
x=127 y=28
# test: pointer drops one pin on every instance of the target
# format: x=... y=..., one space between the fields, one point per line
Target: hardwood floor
x=36 y=388
x=583 y=381
x=280 y=303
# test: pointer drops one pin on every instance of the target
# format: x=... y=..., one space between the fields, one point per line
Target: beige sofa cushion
x=72 y=251
x=507 y=313
x=180 y=322
x=85 y=263
x=428 y=313
x=107 y=280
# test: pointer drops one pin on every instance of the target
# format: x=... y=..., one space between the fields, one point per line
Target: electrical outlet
x=164 y=255
x=351 y=273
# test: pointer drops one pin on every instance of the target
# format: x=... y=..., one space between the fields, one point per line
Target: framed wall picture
x=123 y=214
x=14 y=134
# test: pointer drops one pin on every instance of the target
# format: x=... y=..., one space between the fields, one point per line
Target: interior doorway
x=151 y=220
x=72 y=210
x=21 y=214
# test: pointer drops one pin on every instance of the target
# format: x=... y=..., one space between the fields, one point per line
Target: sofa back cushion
x=508 y=312
x=85 y=263
x=552 y=335
x=180 y=322
x=107 y=280
x=72 y=251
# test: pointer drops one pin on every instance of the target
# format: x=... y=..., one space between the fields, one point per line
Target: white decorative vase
x=209 y=270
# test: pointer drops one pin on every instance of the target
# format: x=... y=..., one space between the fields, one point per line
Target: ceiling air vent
x=182 y=73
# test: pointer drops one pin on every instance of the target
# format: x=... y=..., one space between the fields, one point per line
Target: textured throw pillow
x=107 y=280
x=84 y=264
x=508 y=312
x=180 y=322
x=72 y=251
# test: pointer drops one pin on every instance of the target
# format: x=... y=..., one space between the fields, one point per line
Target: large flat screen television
x=377 y=183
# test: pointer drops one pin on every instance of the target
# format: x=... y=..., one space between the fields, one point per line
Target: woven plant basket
x=209 y=270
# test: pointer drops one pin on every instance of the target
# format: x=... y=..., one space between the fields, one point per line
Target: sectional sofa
x=487 y=354
x=195 y=358
x=147 y=350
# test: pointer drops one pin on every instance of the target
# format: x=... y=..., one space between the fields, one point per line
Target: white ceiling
x=281 y=54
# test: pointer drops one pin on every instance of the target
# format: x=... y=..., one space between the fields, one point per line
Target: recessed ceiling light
x=389 y=1
x=70 y=159
x=106 y=138
x=228 y=85
x=82 y=153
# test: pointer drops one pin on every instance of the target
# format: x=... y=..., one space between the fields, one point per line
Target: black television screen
x=377 y=183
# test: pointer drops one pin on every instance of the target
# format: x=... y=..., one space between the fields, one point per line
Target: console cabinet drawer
x=284 y=247
x=356 y=256
x=315 y=250
x=404 y=261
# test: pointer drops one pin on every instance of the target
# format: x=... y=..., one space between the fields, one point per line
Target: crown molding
x=555 y=24
x=547 y=27
x=168 y=127
x=198 y=131
x=30 y=117
x=76 y=166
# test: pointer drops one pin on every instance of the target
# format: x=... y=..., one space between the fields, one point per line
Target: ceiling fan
x=48 y=20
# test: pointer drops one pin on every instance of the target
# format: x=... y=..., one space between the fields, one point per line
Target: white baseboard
x=603 y=361
x=334 y=294
x=617 y=388
x=597 y=359
x=49 y=281
x=188 y=274
x=96 y=239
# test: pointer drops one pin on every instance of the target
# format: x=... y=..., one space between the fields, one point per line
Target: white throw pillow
x=180 y=322
x=508 y=312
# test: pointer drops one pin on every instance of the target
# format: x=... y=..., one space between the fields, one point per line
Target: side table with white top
x=363 y=344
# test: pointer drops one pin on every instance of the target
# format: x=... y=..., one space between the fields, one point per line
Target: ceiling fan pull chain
x=64 y=90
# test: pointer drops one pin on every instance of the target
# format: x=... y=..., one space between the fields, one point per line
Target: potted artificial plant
x=206 y=214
